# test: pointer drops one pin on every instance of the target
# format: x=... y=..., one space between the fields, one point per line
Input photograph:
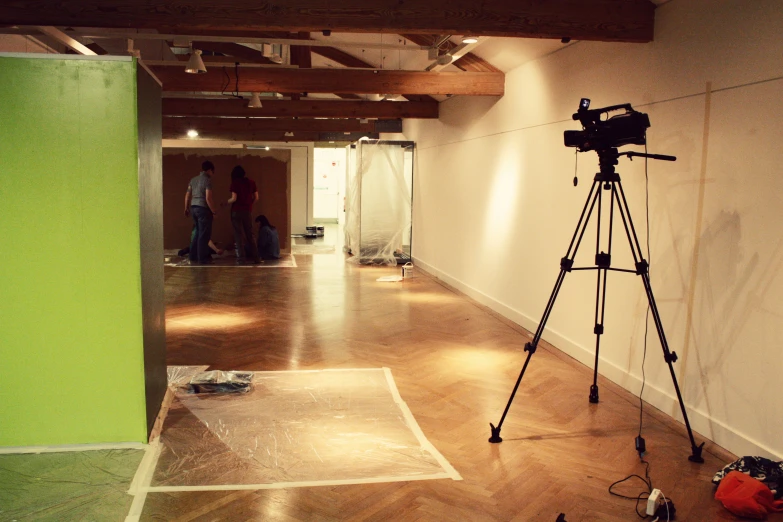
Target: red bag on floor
x=746 y=497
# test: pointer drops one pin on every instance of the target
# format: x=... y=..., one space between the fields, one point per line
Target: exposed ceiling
x=379 y=66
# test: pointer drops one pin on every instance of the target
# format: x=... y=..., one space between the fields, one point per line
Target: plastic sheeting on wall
x=378 y=203
x=295 y=427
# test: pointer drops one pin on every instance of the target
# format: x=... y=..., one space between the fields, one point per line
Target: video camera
x=628 y=128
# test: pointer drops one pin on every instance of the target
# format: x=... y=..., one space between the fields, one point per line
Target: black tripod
x=609 y=180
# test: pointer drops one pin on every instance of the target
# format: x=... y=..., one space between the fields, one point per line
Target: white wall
x=495 y=208
x=301 y=185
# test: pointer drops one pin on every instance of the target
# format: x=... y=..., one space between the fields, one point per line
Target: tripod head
x=608 y=158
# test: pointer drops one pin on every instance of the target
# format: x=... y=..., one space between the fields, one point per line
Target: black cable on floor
x=641 y=496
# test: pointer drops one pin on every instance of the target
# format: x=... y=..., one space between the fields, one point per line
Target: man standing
x=243 y=194
x=198 y=203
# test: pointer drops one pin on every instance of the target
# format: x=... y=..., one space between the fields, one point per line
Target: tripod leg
x=642 y=269
x=603 y=261
x=670 y=358
x=530 y=348
x=600 y=307
x=565 y=266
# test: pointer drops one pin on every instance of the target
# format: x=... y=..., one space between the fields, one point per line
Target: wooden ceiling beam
x=467 y=62
x=300 y=54
x=272 y=136
x=253 y=130
x=301 y=109
x=348 y=81
x=605 y=20
x=341 y=57
x=348 y=60
x=237 y=51
x=240 y=125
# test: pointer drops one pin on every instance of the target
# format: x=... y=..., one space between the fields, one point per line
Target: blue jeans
x=199 y=245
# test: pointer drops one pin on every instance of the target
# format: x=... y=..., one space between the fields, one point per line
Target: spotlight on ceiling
x=255 y=101
x=469 y=39
x=192 y=133
x=195 y=63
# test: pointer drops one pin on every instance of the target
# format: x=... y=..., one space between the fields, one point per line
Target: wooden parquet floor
x=455 y=365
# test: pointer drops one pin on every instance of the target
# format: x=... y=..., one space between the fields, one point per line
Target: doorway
x=330 y=167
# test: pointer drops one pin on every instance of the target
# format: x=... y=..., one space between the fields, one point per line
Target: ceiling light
x=195 y=63
x=192 y=133
x=266 y=148
x=469 y=39
x=289 y=134
x=255 y=101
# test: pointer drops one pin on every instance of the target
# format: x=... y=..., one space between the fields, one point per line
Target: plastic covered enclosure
x=378 y=201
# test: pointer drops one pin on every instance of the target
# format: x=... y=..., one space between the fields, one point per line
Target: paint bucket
x=319 y=231
x=407 y=270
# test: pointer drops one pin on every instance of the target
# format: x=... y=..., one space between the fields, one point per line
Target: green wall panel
x=71 y=357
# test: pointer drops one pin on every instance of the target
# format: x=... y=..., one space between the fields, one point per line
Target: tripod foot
x=594 y=394
x=495 y=438
x=696 y=456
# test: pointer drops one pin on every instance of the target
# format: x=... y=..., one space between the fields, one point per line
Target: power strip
x=653 y=501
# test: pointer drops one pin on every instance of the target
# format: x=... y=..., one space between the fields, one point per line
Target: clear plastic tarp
x=74 y=485
x=294 y=427
x=378 y=202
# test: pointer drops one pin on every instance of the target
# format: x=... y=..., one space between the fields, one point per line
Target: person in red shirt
x=243 y=194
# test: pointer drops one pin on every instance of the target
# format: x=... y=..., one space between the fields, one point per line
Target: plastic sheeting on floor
x=295 y=428
x=285 y=261
x=83 y=485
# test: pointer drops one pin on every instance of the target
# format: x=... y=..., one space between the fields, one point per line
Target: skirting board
x=11 y=450
x=718 y=432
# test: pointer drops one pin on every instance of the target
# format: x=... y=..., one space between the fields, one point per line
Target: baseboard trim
x=11 y=450
x=702 y=423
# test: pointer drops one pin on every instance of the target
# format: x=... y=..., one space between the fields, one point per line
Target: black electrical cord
x=228 y=81
x=641 y=496
x=647 y=480
x=236 y=85
x=576 y=162
x=647 y=315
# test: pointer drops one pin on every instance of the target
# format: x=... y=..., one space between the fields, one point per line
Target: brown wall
x=269 y=169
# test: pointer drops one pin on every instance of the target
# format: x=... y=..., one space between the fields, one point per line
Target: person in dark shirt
x=243 y=194
x=198 y=203
x=268 y=240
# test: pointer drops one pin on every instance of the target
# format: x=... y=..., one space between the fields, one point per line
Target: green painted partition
x=71 y=341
